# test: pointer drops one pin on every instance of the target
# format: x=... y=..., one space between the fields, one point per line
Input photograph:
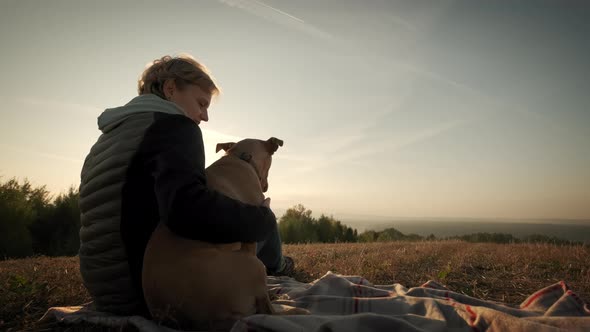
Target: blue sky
x=387 y=108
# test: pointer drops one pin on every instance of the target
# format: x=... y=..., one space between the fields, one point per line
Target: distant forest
x=32 y=222
x=297 y=226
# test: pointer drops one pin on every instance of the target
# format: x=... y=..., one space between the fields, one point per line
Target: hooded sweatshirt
x=147 y=167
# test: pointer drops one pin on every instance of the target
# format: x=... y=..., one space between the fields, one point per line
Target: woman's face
x=193 y=100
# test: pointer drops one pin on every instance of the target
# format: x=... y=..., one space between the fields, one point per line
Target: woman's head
x=181 y=80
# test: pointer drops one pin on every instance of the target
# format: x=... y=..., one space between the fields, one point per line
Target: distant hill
x=567 y=229
x=573 y=230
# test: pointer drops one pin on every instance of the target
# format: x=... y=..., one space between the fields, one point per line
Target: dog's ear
x=273 y=144
x=224 y=146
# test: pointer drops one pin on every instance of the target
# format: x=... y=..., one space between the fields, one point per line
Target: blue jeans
x=270 y=251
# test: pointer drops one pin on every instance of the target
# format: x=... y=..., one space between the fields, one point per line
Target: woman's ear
x=168 y=88
x=224 y=146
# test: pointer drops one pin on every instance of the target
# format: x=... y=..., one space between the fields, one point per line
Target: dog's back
x=235 y=178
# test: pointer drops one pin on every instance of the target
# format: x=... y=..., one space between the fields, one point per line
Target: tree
x=349 y=235
x=20 y=205
x=56 y=231
x=31 y=223
x=298 y=226
x=386 y=235
x=324 y=226
x=390 y=234
x=368 y=236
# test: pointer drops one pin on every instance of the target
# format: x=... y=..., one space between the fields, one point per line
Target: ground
x=501 y=272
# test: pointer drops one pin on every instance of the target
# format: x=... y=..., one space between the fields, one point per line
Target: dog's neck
x=237 y=179
x=244 y=156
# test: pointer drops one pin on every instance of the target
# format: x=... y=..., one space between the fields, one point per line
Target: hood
x=112 y=117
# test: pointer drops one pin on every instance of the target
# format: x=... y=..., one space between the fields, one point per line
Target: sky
x=420 y=109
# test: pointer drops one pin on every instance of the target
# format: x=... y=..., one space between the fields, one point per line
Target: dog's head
x=256 y=152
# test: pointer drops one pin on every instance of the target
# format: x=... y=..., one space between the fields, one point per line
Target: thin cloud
x=389 y=146
x=402 y=22
x=278 y=16
x=498 y=105
x=336 y=146
x=428 y=133
x=342 y=138
x=438 y=77
x=279 y=11
x=56 y=104
x=313 y=162
x=32 y=152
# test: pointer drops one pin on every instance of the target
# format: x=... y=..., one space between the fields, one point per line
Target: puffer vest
x=103 y=258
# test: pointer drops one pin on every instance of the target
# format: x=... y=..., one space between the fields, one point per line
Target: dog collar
x=248 y=158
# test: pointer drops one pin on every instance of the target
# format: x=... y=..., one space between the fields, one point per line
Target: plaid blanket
x=351 y=303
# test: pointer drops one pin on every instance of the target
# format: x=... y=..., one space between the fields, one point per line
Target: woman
x=148 y=167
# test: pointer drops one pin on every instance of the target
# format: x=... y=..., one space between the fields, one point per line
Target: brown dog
x=204 y=285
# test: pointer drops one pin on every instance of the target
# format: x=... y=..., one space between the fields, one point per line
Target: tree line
x=298 y=226
x=32 y=222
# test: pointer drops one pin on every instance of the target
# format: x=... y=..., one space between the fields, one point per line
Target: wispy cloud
x=32 y=152
x=46 y=103
x=308 y=162
x=341 y=138
x=349 y=145
x=278 y=16
x=279 y=11
x=495 y=104
x=400 y=142
x=404 y=23
x=423 y=72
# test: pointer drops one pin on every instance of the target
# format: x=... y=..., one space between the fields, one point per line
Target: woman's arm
x=173 y=153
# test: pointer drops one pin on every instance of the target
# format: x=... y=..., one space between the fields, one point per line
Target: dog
x=198 y=284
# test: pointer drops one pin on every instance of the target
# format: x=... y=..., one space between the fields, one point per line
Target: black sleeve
x=173 y=153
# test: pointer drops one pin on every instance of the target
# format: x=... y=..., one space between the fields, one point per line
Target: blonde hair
x=183 y=69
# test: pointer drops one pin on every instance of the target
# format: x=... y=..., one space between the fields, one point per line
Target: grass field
x=506 y=273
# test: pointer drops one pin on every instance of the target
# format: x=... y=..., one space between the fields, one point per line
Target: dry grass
x=29 y=286
x=507 y=273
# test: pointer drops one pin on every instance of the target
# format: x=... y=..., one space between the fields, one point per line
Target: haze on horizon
x=450 y=109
